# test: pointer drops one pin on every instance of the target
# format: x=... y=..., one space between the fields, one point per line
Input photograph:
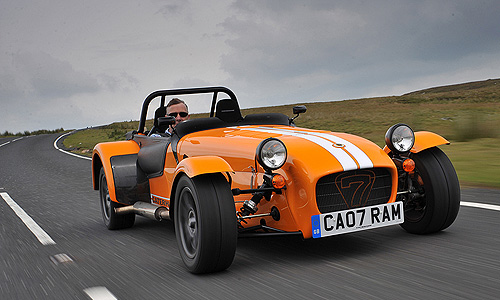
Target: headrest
x=228 y=110
x=159 y=112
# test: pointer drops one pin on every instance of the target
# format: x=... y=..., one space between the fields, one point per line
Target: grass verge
x=468 y=115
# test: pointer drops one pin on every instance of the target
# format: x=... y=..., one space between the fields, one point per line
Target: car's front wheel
x=111 y=219
x=205 y=223
x=437 y=184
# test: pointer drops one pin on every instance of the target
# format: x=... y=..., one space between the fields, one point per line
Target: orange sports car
x=229 y=175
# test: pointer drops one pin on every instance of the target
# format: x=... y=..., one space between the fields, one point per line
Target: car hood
x=314 y=151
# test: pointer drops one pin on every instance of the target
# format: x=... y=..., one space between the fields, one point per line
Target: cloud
x=37 y=74
x=352 y=47
x=100 y=59
x=39 y=91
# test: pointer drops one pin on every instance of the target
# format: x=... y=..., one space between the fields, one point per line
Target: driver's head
x=177 y=109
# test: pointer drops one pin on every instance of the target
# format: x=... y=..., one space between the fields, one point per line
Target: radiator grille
x=352 y=189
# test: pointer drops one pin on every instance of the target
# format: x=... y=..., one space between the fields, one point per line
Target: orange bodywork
x=101 y=158
x=231 y=151
x=425 y=140
x=307 y=162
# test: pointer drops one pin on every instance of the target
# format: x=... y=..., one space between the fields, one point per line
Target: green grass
x=468 y=115
x=477 y=162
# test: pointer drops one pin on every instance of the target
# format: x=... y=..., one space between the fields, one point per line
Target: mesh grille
x=352 y=189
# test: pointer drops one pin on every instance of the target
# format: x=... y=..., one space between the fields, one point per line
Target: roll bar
x=189 y=91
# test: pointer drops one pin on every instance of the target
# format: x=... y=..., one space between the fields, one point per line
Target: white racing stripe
x=325 y=141
x=363 y=160
x=40 y=234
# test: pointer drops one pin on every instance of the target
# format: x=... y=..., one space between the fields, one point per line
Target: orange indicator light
x=278 y=181
x=408 y=165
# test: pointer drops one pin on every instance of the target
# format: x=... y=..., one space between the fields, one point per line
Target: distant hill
x=475 y=85
x=466 y=114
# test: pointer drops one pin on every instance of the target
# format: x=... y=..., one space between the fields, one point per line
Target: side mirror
x=166 y=121
x=299 y=109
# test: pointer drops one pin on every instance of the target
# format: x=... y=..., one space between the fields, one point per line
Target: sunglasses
x=183 y=114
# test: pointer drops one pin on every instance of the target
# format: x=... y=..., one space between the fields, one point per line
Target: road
x=87 y=261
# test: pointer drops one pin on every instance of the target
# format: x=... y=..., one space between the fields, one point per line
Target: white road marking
x=480 y=205
x=99 y=293
x=5 y=143
x=40 y=234
x=66 y=152
x=62 y=258
x=15 y=140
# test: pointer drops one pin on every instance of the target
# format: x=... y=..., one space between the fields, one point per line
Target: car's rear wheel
x=436 y=181
x=205 y=223
x=111 y=219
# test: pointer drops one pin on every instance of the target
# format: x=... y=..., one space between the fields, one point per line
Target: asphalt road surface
x=66 y=252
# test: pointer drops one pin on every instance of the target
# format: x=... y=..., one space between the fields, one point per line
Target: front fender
x=101 y=157
x=425 y=140
x=198 y=165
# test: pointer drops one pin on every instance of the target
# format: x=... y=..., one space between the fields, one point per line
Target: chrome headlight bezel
x=271 y=154
x=400 y=138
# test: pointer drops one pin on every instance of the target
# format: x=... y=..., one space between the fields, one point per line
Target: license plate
x=357 y=219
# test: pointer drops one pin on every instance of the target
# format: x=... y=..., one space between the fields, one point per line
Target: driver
x=177 y=109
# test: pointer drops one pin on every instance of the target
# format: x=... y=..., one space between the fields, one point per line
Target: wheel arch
x=96 y=167
x=101 y=158
x=197 y=166
x=424 y=140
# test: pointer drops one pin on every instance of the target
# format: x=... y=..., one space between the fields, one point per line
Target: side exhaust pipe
x=146 y=210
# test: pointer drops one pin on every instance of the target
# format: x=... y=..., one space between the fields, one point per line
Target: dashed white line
x=61 y=258
x=5 y=143
x=39 y=233
x=67 y=152
x=99 y=293
x=11 y=141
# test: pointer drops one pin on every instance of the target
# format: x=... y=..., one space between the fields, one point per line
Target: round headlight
x=271 y=154
x=400 y=138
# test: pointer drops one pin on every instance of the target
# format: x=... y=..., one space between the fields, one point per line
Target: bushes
x=475 y=126
x=7 y=133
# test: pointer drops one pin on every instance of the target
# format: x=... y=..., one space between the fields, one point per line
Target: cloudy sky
x=74 y=64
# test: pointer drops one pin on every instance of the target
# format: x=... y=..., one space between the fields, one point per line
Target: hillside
x=466 y=114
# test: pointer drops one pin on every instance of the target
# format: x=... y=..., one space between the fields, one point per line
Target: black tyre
x=111 y=219
x=436 y=181
x=205 y=223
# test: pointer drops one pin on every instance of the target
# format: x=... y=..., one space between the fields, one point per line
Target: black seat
x=159 y=112
x=228 y=111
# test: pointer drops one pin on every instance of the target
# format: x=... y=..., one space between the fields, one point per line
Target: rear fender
x=424 y=140
x=101 y=157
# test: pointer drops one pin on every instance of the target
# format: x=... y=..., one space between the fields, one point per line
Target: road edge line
x=480 y=205
x=67 y=152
